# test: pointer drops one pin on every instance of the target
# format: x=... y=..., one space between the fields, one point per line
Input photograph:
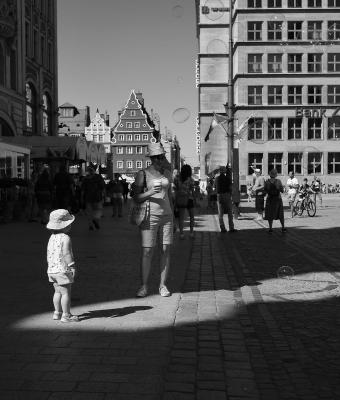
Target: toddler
x=61 y=266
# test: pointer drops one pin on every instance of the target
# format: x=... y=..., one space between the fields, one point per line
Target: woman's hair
x=186 y=172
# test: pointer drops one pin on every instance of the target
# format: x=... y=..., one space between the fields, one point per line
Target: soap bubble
x=181 y=115
x=285 y=272
x=256 y=128
x=313 y=162
x=177 y=11
x=217 y=46
x=211 y=71
x=180 y=79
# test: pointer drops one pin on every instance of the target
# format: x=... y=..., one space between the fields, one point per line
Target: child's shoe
x=164 y=292
x=69 y=318
x=57 y=315
x=142 y=291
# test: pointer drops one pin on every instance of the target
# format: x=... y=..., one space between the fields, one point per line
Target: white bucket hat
x=60 y=219
x=155 y=149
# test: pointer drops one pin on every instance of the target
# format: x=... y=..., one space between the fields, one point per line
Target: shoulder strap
x=144 y=186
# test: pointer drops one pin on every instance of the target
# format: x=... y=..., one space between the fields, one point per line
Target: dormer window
x=133 y=113
x=67 y=112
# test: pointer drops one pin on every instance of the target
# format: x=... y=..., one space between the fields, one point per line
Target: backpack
x=272 y=190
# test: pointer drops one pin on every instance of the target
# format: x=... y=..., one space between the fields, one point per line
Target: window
x=333 y=30
x=294 y=94
x=147 y=163
x=254 y=4
x=95 y=138
x=129 y=164
x=27 y=38
x=294 y=128
x=314 y=62
x=275 y=161
x=333 y=3
x=314 y=3
x=139 y=164
x=2 y=66
x=314 y=30
x=314 y=163
x=274 y=94
x=274 y=3
x=295 y=162
x=30 y=107
x=333 y=163
x=333 y=128
x=100 y=138
x=254 y=63
x=35 y=45
x=46 y=106
x=294 y=62
x=255 y=131
x=254 y=161
x=137 y=137
x=314 y=128
x=121 y=137
x=129 y=138
x=274 y=128
x=42 y=50
x=120 y=150
x=294 y=30
x=333 y=94
x=137 y=125
x=294 y=3
x=314 y=94
x=254 y=95
x=145 y=136
x=139 y=150
x=129 y=124
x=120 y=164
x=133 y=113
x=333 y=62
x=255 y=30
x=275 y=63
x=274 y=30
x=129 y=150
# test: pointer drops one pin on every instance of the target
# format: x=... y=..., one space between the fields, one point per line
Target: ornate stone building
x=99 y=131
x=73 y=120
x=131 y=135
x=28 y=67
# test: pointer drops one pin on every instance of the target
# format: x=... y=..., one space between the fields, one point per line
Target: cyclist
x=316 y=186
x=293 y=185
x=304 y=191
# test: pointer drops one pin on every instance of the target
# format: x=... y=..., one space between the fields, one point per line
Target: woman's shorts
x=61 y=278
x=158 y=227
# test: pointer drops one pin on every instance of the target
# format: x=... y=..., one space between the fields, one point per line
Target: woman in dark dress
x=274 y=206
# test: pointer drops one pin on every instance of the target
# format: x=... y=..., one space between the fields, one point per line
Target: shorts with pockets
x=158 y=226
x=61 y=278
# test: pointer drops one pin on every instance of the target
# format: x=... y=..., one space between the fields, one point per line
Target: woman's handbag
x=139 y=212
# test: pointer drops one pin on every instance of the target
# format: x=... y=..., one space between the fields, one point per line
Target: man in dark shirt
x=223 y=185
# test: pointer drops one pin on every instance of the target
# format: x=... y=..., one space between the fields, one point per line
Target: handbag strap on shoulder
x=144 y=186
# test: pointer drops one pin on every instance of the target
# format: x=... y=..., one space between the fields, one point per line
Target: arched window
x=46 y=103
x=30 y=108
x=2 y=66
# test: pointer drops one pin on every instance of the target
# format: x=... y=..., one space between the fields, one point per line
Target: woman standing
x=154 y=184
x=274 y=206
x=184 y=198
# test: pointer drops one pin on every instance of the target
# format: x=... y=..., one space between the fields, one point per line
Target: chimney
x=107 y=118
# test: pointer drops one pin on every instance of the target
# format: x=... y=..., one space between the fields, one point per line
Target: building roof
x=67 y=105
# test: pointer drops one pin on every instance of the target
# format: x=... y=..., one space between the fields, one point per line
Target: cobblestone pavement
x=238 y=325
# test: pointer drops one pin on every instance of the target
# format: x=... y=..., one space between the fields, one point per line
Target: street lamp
x=233 y=156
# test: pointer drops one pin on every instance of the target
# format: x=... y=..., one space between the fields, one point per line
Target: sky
x=106 y=48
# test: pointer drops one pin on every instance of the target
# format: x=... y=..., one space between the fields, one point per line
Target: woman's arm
x=139 y=194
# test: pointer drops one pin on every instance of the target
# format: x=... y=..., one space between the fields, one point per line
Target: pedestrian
x=154 y=184
x=223 y=185
x=93 y=188
x=316 y=187
x=274 y=206
x=184 y=198
x=44 y=194
x=125 y=190
x=61 y=265
x=115 y=189
x=258 y=190
x=64 y=188
x=293 y=185
x=211 y=195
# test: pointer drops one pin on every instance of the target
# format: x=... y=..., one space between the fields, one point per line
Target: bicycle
x=307 y=204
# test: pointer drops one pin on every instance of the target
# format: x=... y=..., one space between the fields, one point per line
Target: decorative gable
x=134 y=118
